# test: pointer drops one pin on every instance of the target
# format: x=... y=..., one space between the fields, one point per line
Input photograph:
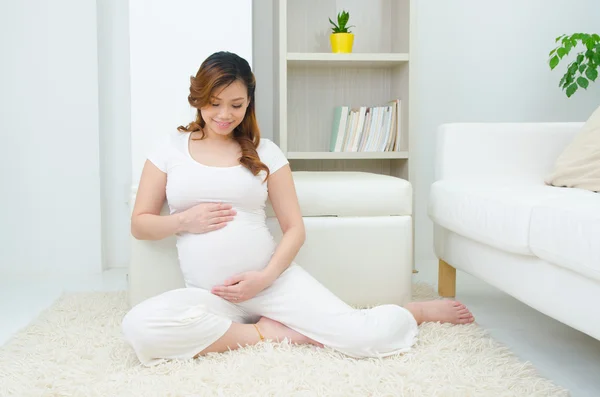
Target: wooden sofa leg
x=446 y=280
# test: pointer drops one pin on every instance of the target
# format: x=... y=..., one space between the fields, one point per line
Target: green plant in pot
x=341 y=38
x=585 y=66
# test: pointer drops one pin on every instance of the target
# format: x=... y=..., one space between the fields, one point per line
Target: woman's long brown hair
x=218 y=71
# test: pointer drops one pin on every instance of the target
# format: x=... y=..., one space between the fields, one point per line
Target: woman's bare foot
x=444 y=311
x=277 y=332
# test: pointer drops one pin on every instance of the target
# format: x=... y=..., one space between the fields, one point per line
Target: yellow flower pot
x=341 y=42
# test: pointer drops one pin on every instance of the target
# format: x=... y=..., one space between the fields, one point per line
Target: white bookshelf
x=312 y=80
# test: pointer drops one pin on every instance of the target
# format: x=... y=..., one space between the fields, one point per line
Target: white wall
x=115 y=129
x=49 y=167
x=168 y=42
x=487 y=61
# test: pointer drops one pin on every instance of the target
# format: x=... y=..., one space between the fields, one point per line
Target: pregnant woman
x=241 y=287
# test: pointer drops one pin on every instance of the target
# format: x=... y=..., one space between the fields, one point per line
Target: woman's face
x=226 y=109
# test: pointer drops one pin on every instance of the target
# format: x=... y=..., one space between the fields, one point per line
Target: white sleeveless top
x=245 y=244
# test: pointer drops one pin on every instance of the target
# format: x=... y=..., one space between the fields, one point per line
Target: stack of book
x=367 y=129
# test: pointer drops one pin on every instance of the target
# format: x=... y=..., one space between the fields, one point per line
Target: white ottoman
x=358 y=240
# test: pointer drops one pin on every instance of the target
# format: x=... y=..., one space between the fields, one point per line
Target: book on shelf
x=367 y=129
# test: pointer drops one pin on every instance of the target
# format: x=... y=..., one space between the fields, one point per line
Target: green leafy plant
x=585 y=66
x=342 y=19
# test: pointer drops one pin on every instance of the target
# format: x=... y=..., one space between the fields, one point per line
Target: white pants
x=181 y=323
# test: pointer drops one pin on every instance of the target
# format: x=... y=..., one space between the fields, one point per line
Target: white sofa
x=495 y=219
x=358 y=244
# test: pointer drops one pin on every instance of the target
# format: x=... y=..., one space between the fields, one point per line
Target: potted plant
x=584 y=67
x=341 y=38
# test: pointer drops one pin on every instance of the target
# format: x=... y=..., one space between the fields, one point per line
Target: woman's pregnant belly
x=209 y=259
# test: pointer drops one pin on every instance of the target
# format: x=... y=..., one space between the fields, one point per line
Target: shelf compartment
x=379 y=25
x=314 y=92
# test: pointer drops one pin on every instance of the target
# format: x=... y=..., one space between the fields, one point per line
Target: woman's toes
x=466 y=320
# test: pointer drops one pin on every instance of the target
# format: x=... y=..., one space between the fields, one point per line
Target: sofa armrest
x=509 y=151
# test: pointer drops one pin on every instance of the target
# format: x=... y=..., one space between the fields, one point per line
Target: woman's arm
x=146 y=221
x=282 y=194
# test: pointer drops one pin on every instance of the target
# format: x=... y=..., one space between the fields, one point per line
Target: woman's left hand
x=242 y=287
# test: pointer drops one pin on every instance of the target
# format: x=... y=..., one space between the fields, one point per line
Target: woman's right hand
x=206 y=217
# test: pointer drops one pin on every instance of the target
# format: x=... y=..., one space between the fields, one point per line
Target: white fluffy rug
x=75 y=349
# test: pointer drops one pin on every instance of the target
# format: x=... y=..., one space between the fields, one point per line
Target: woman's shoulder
x=267 y=144
x=165 y=146
x=271 y=154
x=175 y=137
x=171 y=140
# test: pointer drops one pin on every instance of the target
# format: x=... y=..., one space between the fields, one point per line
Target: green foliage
x=342 y=19
x=585 y=66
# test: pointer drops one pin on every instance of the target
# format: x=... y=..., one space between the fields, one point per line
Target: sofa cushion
x=343 y=193
x=579 y=164
x=565 y=231
x=493 y=213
